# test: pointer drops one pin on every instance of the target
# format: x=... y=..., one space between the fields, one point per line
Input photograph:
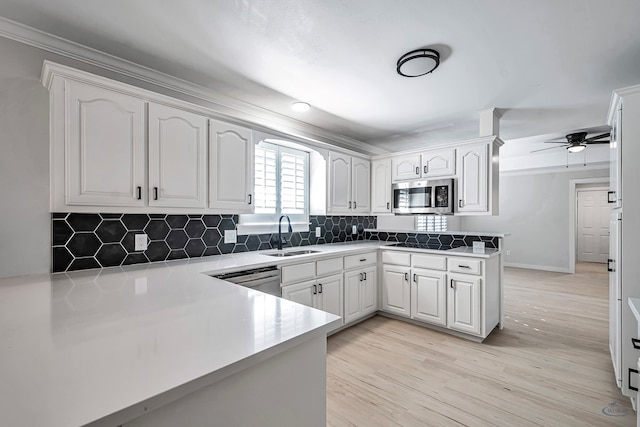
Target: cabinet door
x=405 y=167
x=231 y=151
x=352 y=295
x=105 y=147
x=339 y=184
x=369 y=291
x=396 y=292
x=615 y=156
x=439 y=163
x=302 y=293
x=177 y=158
x=463 y=303
x=381 y=186
x=428 y=296
x=361 y=182
x=330 y=291
x=473 y=183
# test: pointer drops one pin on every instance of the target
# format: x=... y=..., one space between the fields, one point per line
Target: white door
x=405 y=167
x=231 y=151
x=369 y=291
x=361 y=182
x=463 y=303
x=302 y=293
x=381 y=186
x=339 y=184
x=352 y=295
x=396 y=291
x=473 y=185
x=330 y=292
x=177 y=158
x=593 y=226
x=439 y=163
x=428 y=296
x=105 y=147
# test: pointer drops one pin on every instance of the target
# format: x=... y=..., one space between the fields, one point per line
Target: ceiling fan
x=577 y=142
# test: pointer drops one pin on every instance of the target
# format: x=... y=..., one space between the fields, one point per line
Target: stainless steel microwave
x=424 y=197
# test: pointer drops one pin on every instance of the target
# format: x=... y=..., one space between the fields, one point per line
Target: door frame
x=573 y=217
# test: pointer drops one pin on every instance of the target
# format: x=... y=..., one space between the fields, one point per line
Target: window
x=281 y=188
x=433 y=223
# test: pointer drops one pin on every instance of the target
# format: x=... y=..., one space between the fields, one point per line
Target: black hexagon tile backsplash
x=82 y=241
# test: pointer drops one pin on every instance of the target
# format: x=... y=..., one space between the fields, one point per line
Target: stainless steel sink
x=291 y=253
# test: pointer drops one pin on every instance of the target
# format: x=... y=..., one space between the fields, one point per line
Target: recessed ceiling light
x=418 y=62
x=300 y=106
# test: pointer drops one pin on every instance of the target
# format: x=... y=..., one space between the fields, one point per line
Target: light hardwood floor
x=549 y=366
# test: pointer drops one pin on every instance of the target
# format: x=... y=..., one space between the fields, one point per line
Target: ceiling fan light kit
x=576 y=148
x=300 y=106
x=418 y=62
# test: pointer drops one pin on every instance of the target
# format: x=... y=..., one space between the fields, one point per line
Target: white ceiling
x=548 y=65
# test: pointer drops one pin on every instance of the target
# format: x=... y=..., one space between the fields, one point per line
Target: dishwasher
x=265 y=279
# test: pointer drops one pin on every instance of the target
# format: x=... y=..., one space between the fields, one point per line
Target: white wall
x=25 y=241
x=534 y=208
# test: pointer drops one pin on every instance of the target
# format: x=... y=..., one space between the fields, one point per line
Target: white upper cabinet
x=339 y=183
x=406 y=167
x=381 y=186
x=473 y=186
x=349 y=181
x=231 y=151
x=103 y=135
x=439 y=163
x=361 y=182
x=177 y=158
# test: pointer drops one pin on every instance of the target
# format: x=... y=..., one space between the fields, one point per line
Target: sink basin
x=291 y=253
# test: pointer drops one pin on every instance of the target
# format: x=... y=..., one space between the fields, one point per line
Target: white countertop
x=458 y=233
x=78 y=347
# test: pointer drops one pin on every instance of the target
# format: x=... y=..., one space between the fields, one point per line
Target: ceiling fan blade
x=556 y=142
x=543 y=149
x=596 y=142
x=593 y=138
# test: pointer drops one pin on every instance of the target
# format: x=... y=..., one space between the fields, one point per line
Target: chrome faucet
x=280 y=239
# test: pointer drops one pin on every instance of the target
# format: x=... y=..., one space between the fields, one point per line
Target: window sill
x=269 y=228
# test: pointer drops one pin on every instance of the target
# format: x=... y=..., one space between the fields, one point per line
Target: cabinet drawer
x=465 y=265
x=361 y=260
x=396 y=258
x=298 y=272
x=328 y=266
x=428 y=261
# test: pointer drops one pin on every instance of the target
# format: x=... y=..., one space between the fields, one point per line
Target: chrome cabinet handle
x=315 y=289
x=365 y=276
x=610 y=265
x=249 y=198
x=361 y=277
x=451 y=283
x=139 y=193
x=417 y=170
x=425 y=169
x=406 y=277
x=354 y=204
x=349 y=205
x=460 y=203
x=363 y=259
x=415 y=280
x=319 y=288
x=611 y=196
x=463 y=266
x=155 y=193
x=388 y=207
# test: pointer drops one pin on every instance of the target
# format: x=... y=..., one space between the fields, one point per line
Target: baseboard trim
x=537 y=267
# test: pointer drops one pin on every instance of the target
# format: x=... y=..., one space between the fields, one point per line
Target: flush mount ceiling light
x=300 y=106
x=418 y=62
x=576 y=148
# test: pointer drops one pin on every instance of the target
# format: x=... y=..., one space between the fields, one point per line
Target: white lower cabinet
x=360 y=293
x=396 y=291
x=430 y=288
x=429 y=296
x=464 y=305
x=324 y=293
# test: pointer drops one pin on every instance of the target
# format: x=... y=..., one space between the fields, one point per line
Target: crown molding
x=232 y=108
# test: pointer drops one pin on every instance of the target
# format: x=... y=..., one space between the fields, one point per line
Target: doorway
x=592 y=232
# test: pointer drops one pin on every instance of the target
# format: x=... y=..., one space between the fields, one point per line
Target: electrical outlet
x=478 y=245
x=141 y=241
x=230 y=236
x=354 y=229
x=318 y=231
x=508 y=252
